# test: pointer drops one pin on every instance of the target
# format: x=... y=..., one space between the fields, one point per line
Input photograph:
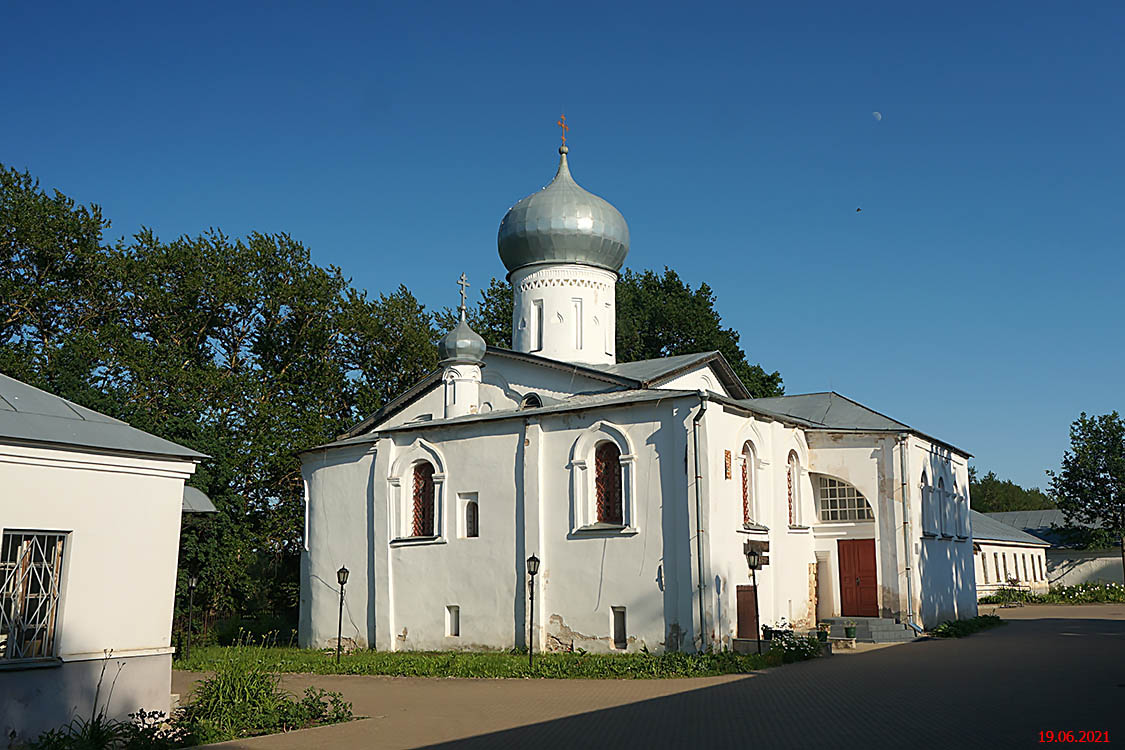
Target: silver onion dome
x=461 y=346
x=562 y=223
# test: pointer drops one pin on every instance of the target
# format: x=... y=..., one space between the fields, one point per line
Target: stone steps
x=872 y=629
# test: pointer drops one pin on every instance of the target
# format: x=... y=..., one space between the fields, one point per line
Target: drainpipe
x=907 y=541
x=699 y=510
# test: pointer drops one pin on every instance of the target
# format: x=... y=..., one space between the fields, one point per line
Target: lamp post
x=754 y=561
x=342 y=577
x=532 y=569
x=191 y=581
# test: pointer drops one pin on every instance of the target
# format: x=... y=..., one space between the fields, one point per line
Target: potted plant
x=822 y=630
x=767 y=633
x=849 y=629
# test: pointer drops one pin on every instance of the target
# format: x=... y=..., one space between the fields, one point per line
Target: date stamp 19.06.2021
x=1067 y=735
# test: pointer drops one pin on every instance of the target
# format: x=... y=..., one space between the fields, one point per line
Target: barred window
x=793 y=489
x=607 y=458
x=749 y=511
x=423 y=499
x=31 y=569
x=839 y=501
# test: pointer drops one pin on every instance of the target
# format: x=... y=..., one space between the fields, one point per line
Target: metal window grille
x=840 y=501
x=423 y=500
x=746 y=488
x=607 y=459
x=30 y=567
x=791 y=488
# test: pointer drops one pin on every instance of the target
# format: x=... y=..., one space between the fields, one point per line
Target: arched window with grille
x=423 y=519
x=793 y=489
x=840 y=501
x=607 y=459
x=748 y=463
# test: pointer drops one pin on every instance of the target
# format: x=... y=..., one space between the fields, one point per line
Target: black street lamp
x=342 y=577
x=532 y=570
x=754 y=561
x=191 y=582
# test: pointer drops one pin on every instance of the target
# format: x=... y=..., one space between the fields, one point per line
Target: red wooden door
x=747 y=612
x=859 y=589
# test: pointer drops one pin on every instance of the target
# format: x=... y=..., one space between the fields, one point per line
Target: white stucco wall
x=699 y=379
x=122 y=520
x=1012 y=559
x=1068 y=567
x=566 y=312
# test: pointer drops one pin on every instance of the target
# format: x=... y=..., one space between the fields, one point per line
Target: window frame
x=822 y=499
x=583 y=483
x=401 y=495
x=56 y=568
x=793 y=491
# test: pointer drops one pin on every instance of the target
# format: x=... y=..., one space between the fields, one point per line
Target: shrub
x=1083 y=593
x=962 y=628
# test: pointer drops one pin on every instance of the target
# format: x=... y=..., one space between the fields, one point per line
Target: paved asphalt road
x=1050 y=668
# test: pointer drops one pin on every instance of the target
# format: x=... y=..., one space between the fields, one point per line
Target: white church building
x=636 y=484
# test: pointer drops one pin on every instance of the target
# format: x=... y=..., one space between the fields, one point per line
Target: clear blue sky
x=978 y=296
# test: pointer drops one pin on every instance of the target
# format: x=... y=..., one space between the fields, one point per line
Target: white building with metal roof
x=1006 y=557
x=637 y=486
x=90 y=520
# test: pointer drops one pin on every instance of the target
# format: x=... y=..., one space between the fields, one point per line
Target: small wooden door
x=859 y=589
x=747 y=612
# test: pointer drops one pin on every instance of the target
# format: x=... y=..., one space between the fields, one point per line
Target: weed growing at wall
x=962 y=628
x=502 y=664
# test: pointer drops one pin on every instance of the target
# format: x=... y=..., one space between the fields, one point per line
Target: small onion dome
x=562 y=223
x=461 y=346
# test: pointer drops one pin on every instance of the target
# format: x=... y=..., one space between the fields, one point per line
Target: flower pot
x=822 y=636
x=849 y=631
x=767 y=634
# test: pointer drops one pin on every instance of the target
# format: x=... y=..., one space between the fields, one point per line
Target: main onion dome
x=461 y=346
x=562 y=223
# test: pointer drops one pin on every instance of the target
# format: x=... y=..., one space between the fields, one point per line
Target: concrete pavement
x=1051 y=668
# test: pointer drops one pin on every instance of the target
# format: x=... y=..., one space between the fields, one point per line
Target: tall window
x=793 y=490
x=942 y=507
x=839 y=501
x=30 y=570
x=472 y=519
x=984 y=565
x=996 y=565
x=423 y=499
x=928 y=516
x=748 y=463
x=607 y=457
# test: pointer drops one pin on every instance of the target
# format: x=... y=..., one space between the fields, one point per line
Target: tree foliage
x=990 y=494
x=247 y=351
x=1090 y=483
x=658 y=315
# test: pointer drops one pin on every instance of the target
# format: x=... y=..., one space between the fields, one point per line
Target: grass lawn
x=486 y=664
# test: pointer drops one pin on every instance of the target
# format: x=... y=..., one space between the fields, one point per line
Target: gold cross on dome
x=564 y=126
x=463 y=282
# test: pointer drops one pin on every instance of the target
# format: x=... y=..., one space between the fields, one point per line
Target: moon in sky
x=877 y=115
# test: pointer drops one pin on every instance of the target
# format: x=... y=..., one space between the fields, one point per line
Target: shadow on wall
x=946 y=569
x=1071 y=567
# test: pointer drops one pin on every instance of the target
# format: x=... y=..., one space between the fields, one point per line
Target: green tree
x=1090 y=483
x=990 y=494
x=658 y=315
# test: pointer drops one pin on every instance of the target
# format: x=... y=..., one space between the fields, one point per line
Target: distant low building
x=1004 y=556
x=89 y=522
x=1066 y=565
